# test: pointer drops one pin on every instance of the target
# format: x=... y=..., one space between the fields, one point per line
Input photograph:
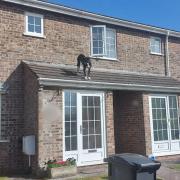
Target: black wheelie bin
x=128 y=166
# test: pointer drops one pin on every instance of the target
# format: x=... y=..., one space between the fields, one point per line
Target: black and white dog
x=86 y=62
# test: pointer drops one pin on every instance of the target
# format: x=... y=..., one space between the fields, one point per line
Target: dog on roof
x=86 y=63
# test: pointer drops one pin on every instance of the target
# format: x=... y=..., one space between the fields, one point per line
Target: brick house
x=131 y=103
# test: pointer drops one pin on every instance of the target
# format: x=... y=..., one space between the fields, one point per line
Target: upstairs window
x=103 y=42
x=155 y=45
x=34 y=24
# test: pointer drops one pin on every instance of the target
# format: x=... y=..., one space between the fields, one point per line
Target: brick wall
x=30 y=125
x=129 y=122
x=50 y=126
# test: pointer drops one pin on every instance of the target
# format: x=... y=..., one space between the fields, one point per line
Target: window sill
x=104 y=58
x=34 y=35
x=4 y=141
x=157 y=54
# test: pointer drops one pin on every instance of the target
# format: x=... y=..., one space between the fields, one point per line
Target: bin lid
x=139 y=162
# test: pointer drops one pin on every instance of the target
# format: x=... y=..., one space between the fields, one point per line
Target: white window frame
x=26 y=25
x=160 y=40
x=103 y=55
x=104 y=140
x=163 y=153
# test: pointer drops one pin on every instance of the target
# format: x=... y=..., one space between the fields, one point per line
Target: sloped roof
x=66 y=76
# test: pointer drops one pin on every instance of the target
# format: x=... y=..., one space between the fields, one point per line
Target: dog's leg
x=84 y=70
x=89 y=73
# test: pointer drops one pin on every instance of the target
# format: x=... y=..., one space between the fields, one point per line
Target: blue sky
x=161 y=13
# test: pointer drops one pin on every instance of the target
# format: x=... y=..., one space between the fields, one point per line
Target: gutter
x=105 y=86
x=167 y=68
x=91 y=16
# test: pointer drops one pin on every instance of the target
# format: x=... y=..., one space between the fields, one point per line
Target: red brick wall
x=30 y=125
x=129 y=122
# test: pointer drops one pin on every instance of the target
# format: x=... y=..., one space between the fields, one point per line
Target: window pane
x=97 y=127
x=91 y=127
x=38 y=21
x=110 y=43
x=73 y=128
x=98 y=40
x=67 y=129
x=85 y=128
x=73 y=114
x=31 y=20
x=98 y=141
x=97 y=114
x=90 y=101
x=67 y=114
x=85 y=142
x=70 y=121
x=30 y=28
x=67 y=98
x=92 y=141
x=97 y=101
x=73 y=99
x=84 y=114
x=67 y=143
x=74 y=143
x=155 y=45
x=91 y=113
x=38 y=29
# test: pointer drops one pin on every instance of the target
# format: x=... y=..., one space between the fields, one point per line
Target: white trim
x=91 y=16
x=34 y=34
x=160 y=41
x=105 y=85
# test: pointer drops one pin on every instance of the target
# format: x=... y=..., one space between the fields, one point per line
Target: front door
x=84 y=127
x=165 y=124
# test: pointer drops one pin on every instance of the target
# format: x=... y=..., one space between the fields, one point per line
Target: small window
x=34 y=24
x=103 y=42
x=155 y=45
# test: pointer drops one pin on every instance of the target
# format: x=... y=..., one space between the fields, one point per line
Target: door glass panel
x=174 y=120
x=70 y=121
x=159 y=119
x=91 y=122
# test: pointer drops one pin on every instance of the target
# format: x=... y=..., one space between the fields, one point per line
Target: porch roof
x=66 y=76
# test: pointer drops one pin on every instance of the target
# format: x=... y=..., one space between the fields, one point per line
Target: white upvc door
x=91 y=128
x=165 y=124
x=84 y=136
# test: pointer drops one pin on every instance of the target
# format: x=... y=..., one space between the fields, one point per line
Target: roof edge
x=105 y=86
x=92 y=16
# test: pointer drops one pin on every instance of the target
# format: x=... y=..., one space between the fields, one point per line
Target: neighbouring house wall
x=30 y=126
x=129 y=122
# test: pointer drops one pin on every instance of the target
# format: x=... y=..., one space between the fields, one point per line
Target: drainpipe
x=167 y=69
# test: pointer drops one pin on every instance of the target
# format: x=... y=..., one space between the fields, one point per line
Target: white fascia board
x=91 y=16
x=105 y=86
